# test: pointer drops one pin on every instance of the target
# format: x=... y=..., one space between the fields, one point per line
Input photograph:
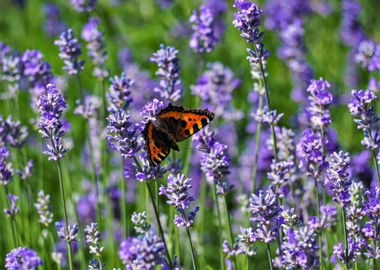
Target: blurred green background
x=142 y=25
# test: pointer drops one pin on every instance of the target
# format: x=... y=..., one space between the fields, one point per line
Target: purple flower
x=149 y=111
x=244 y=243
x=320 y=99
x=215 y=87
x=177 y=193
x=6 y=171
x=280 y=175
x=70 y=235
x=360 y=102
x=22 y=258
x=141 y=225
x=353 y=252
x=351 y=31
x=300 y=248
x=13 y=132
x=265 y=215
x=10 y=70
x=83 y=5
x=365 y=116
x=371 y=209
x=142 y=252
x=215 y=161
x=123 y=136
x=37 y=71
x=96 y=47
x=89 y=109
x=170 y=87
x=51 y=107
x=69 y=51
x=42 y=206
x=146 y=172
x=93 y=239
x=309 y=149
x=337 y=179
x=204 y=37
x=13 y=209
x=53 y=24
x=119 y=94
x=368 y=55
x=86 y=208
x=248 y=19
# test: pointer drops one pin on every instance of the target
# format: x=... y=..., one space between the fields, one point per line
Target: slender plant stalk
x=65 y=212
x=159 y=223
x=157 y=216
x=230 y=233
x=257 y=145
x=376 y=166
x=345 y=235
x=95 y=180
x=220 y=226
x=192 y=248
x=123 y=201
x=269 y=253
x=13 y=221
x=321 y=262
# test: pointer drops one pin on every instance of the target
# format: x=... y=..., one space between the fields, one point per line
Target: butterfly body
x=173 y=124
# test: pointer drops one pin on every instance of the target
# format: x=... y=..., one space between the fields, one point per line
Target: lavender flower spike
x=96 y=47
x=119 y=94
x=69 y=51
x=204 y=37
x=83 y=5
x=170 y=87
x=123 y=135
x=320 y=99
x=177 y=193
x=51 y=107
x=22 y=258
x=6 y=171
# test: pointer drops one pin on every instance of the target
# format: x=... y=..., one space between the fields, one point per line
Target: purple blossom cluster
x=22 y=258
x=96 y=47
x=51 y=107
x=320 y=99
x=177 y=193
x=365 y=117
x=69 y=51
x=170 y=86
x=83 y=5
x=119 y=94
x=142 y=252
x=216 y=87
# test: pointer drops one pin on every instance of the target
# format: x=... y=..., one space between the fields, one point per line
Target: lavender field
x=208 y=134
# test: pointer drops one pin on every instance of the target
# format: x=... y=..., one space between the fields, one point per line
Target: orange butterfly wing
x=186 y=121
x=156 y=149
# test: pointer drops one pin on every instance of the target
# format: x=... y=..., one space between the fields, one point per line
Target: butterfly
x=173 y=124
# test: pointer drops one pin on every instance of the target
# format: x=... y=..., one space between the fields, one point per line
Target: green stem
x=13 y=221
x=230 y=234
x=376 y=166
x=80 y=88
x=257 y=145
x=65 y=212
x=321 y=262
x=157 y=216
x=345 y=234
x=220 y=226
x=269 y=253
x=95 y=180
x=123 y=201
x=159 y=223
x=192 y=248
